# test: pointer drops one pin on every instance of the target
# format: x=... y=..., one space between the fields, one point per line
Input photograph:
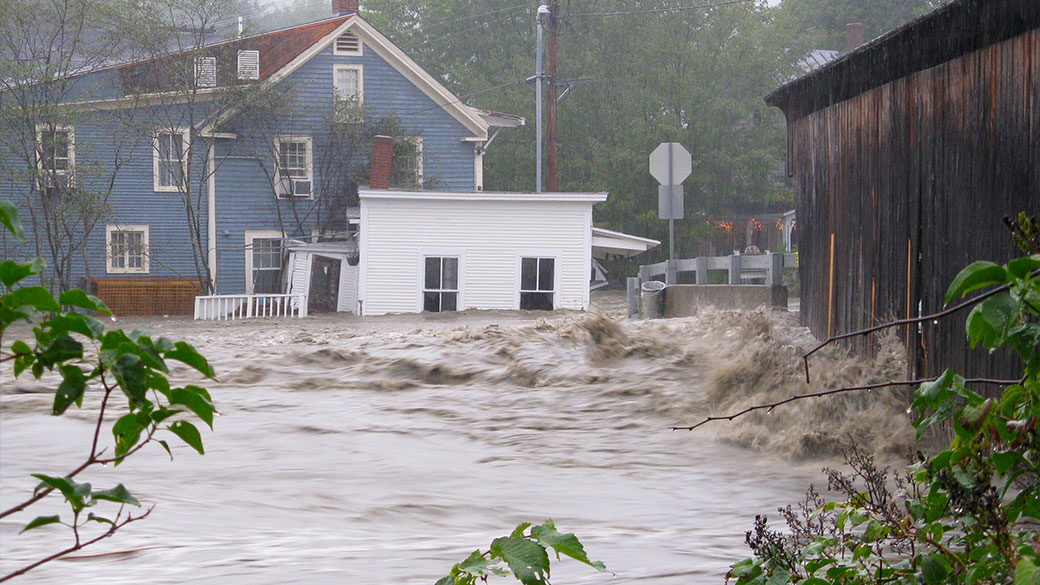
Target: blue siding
x=244 y=193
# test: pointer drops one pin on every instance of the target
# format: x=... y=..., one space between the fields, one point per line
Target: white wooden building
x=438 y=250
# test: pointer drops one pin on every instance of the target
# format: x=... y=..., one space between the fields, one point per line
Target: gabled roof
x=946 y=33
x=277 y=50
x=281 y=53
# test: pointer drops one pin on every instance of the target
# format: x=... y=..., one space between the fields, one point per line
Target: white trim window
x=408 y=163
x=55 y=156
x=348 y=82
x=440 y=283
x=126 y=249
x=537 y=283
x=169 y=160
x=265 y=251
x=348 y=44
x=294 y=166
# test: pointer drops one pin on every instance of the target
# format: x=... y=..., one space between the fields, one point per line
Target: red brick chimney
x=382 y=162
x=341 y=7
x=853 y=36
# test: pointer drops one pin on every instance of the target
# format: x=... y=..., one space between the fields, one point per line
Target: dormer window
x=347 y=44
x=205 y=71
x=249 y=65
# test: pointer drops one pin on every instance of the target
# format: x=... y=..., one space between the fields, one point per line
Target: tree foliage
x=126 y=372
x=695 y=76
x=63 y=186
x=524 y=554
x=823 y=21
x=967 y=514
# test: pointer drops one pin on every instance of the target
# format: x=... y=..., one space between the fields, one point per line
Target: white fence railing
x=231 y=307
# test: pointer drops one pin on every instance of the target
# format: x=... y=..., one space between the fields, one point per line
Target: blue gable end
x=246 y=202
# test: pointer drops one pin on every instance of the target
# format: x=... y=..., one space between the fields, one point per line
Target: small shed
x=326 y=273
x=446 y=251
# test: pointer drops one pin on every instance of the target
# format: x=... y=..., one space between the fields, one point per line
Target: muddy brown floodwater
x=385 y=450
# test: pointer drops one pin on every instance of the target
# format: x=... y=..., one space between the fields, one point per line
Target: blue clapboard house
x=254 y=181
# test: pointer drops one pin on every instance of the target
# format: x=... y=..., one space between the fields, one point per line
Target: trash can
x=651 y=299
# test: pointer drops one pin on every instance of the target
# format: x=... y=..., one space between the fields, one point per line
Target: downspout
x=211 y=219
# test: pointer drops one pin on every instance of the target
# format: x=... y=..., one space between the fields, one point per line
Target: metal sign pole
x=670 y=164
x=669 y=273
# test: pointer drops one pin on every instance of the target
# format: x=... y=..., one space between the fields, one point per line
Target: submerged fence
x=233 y=307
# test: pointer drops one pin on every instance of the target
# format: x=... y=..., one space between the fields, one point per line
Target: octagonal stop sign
x=670 y=163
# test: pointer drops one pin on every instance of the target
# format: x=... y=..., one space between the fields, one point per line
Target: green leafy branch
x=134 y=366
x=967 y=514
x=524 y=554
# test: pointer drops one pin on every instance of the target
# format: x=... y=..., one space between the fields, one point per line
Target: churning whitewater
x=385 y=450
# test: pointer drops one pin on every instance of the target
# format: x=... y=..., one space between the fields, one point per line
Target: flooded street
x=385 y=450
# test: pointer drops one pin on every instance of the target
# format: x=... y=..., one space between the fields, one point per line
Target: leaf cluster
x=69 y=341
x=968 y=514
x=524 y=554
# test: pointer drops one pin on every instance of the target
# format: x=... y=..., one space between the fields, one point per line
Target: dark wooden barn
x=906 y=154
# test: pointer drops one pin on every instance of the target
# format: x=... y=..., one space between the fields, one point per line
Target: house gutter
x=211 y=218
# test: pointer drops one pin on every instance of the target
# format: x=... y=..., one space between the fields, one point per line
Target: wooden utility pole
x=551 y=185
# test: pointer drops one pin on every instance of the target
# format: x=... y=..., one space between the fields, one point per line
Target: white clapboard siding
x=300 y=275
x=489 y=232
x=348 y=288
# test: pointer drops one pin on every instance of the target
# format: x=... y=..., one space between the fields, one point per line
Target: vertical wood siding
x=911 y=179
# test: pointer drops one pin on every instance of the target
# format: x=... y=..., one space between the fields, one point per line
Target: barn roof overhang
x=958 y=28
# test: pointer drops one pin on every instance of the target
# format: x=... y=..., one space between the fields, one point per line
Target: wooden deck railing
x=232 y=307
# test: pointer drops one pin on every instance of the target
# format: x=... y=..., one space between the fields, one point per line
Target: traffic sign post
x=670 y=164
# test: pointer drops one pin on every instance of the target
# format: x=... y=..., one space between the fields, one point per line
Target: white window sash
x=158 y=161
x=342 y=92
x=127 y=249
x=69 y=158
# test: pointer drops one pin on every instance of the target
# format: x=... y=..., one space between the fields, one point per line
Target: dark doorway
x=324 y=295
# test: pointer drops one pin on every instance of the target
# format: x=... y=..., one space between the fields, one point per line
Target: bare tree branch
x=891 y=383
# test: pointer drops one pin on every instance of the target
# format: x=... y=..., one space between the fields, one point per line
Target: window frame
x=538 y=255
x=421 y=290
x=156 y=160
x=251 y=235
x=70 y=170
x=145 y=267
x=308 y=164
x=417 y=140
x=358 y=53
x=360 y=81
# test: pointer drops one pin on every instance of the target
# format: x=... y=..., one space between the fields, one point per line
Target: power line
x=457 y=33
x=657 y=10
x=476 y=16
x=464 y=97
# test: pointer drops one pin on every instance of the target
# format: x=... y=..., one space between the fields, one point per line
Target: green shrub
x=967 y=514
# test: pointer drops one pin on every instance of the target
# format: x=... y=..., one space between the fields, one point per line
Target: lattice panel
x=148 y=296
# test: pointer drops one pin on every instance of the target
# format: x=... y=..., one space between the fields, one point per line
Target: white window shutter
x=249 y=65
x=205 y=72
